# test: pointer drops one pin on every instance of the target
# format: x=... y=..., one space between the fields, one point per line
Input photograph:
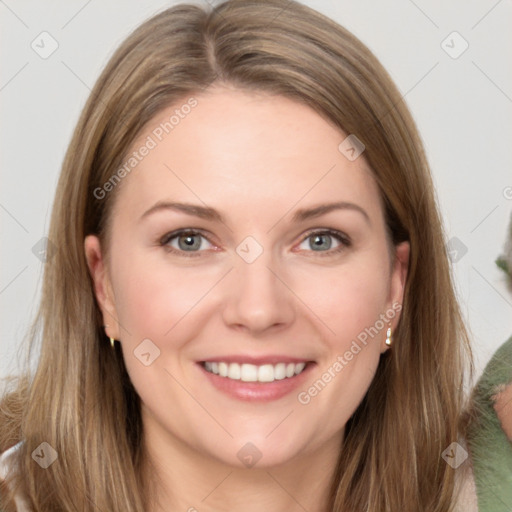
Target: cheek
x=338 y=388
x=152 y=297
x=348 y=299
x=350 y=303
x=159 y=302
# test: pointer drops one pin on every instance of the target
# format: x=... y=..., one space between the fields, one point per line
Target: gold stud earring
x=388 y=337
x=112 y=340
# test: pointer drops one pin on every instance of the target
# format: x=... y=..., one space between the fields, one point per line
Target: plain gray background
x=461 y=102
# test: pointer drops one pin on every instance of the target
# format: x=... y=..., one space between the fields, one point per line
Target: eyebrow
x=323 y=209
x=207 y=213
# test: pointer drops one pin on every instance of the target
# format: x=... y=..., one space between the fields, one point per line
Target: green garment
x=490 y=449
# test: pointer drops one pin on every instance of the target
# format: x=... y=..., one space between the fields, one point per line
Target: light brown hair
x=80 y=399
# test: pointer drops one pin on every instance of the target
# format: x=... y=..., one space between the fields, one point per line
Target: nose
x=257 y=297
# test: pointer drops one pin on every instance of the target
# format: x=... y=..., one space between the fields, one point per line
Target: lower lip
x=257 y=391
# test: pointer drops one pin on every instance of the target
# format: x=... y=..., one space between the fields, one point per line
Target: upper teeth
x=254 y=373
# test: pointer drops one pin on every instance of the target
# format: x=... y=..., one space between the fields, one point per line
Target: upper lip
x=256 y=360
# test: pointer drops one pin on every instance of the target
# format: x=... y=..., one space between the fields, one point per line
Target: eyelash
x=338 y=235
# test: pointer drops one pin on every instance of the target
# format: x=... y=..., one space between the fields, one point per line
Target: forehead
x=252 y=152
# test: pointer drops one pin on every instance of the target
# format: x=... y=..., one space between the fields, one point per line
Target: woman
x=250 y=305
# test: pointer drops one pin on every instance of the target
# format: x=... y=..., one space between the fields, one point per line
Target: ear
x=397 y=288
x=102 y=285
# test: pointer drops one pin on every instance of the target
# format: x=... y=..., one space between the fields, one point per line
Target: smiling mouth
x=254 y=373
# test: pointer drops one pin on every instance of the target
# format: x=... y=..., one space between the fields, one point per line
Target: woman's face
x=269 y=278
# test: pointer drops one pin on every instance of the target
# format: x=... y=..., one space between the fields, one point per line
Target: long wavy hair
x=79 y=398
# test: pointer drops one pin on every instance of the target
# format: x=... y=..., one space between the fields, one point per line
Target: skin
x=256 y=159
x=503 y=408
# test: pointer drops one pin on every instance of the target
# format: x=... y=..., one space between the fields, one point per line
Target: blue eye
x=321 y=241
x=189 y=242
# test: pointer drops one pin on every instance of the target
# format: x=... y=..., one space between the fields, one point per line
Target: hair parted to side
x=80 y=399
